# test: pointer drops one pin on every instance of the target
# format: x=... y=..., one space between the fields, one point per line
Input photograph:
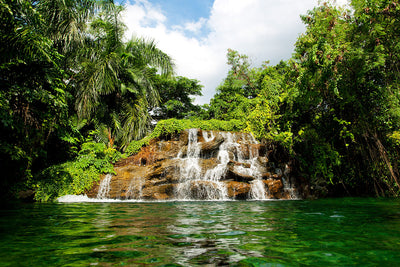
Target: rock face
x=200 y=164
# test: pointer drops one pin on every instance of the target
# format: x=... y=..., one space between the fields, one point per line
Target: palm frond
x=147 y=53
x=66 y=21
x=21 y=39
x=136 y=121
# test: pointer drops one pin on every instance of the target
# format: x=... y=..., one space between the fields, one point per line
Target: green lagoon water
x=329 y=232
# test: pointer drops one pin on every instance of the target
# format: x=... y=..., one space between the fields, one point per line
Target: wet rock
x=262 y=161
x=266 y=175
x=184 y=138
x=207 y=164
x=207 y=149
x=275 y=187
x=235 y=174
x=203 y=190
x=238 y=190
x=162 y=169
x=213 y=145
x=161 y=192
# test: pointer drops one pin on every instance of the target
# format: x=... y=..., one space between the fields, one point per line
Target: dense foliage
x=348 y=102
x=33 y=106
x=77 y=176
x=166 y=128
x=176 y=98
x=75 y=95
x=335 y=104
x=66 y=74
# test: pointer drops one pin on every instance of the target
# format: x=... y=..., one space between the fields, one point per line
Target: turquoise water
x=330 y=232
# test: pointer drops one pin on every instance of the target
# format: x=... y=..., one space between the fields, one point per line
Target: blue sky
x=198 y=33
x=181 y=11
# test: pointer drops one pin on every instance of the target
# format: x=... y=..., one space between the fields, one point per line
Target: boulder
x=160 y=192
x=234 y=172
x=275 y=187
x=211 y=146
x=207 y=149
x=203 y=190
x=238 y=190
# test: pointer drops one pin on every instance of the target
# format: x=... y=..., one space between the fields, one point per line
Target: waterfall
x=200 y=165
x=208 y=136
x=190 y=168
x=135 y=189
x=104 y=187
x=257 y=190
x=248 y=165
x=288 y=185
x=194 y=185
x=214 y=175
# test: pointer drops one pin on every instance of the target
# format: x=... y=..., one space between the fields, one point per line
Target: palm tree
x=114 y=85
x=66 y=21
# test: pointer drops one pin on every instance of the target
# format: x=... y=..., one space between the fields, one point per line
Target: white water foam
x=85 y=198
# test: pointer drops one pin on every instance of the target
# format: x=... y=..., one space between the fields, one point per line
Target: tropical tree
x=176 y=97
x=58 y=55
x=33 y=106
x=348 y=101
x=114 y=85
x=66 y=21
x=233 y=99
x=270 y=118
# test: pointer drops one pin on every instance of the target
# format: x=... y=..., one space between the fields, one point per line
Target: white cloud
x=143 y=14
x=262 y=29
x=192 y=26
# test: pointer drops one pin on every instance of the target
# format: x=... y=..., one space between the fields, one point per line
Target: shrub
x=77 y=176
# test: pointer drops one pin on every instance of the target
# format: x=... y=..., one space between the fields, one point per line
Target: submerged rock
x=200 y=165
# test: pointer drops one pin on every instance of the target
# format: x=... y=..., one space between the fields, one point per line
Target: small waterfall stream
x=135 y=189
x=190 y=170
x=104 y=187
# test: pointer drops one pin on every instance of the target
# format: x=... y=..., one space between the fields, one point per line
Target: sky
x=198 y=33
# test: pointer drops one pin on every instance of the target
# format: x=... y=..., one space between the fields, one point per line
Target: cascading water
x=104 y=187
x=135 y=189
x=288 y=185
x=215 y=175
x=257 y=189
x=194 y=185
x=190 y=168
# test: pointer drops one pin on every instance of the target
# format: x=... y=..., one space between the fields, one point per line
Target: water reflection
x=198 y=225
x=224 y=232
x=251 y=233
